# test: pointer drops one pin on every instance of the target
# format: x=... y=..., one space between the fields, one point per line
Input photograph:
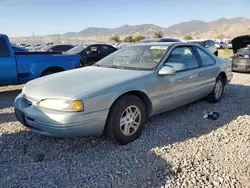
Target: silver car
x=117 y=95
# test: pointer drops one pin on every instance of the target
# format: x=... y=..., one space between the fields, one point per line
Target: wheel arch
x=141 y=95
x=224 y=76
x=52 y=69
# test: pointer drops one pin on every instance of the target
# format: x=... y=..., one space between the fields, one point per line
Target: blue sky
x=22 y=17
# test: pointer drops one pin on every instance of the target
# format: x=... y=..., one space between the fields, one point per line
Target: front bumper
x=59 y=124
x=241 y=64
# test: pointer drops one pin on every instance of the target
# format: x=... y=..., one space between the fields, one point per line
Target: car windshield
x=77 y=49
x=135 y=57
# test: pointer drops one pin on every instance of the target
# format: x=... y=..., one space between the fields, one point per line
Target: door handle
x=200 y=74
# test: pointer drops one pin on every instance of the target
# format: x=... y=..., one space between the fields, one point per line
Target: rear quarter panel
x=32 y=66
x=225 y=66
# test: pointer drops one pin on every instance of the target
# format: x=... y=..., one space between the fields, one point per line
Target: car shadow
x=7 y=98
x=74 y=162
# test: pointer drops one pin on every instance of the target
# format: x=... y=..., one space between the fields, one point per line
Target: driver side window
x=182 y=58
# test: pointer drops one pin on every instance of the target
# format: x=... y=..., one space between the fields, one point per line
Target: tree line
x=116 y=38
x=157 y=34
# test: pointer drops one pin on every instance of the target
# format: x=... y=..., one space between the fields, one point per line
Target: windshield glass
x=135 y=57
x=77 y=49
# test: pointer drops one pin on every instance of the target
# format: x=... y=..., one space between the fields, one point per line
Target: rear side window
x=4 y=50
x=104 y=49
x=55 y=49
x=205 y=58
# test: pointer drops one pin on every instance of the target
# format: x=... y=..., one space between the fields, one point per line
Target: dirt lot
x=225 y=53
x=177 y=149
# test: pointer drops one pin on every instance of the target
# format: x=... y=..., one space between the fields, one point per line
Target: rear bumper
x=59 y=124
x=241 y=64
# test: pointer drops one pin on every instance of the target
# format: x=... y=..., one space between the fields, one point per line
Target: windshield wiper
x=115 y=67
x=112 y=66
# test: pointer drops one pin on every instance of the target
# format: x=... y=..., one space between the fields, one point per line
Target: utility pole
x=33 y=38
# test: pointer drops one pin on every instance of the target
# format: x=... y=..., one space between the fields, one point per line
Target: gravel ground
x=177 y=149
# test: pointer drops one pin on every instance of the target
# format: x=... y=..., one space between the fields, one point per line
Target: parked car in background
x=22 y=45
x=119 y=93
x=241 y=60
x=240 y=42
x=18 y=49
x=229 y=45
x=159 y=40
x=27 y=47
x=56 y=48
x=90 y=54
x=209 y=44
x=36 y=47
x=221 y=45
x=20 y=67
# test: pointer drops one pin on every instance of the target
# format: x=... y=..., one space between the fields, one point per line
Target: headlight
x=62 y=105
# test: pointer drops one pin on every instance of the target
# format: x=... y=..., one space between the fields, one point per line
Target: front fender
x=105 y=100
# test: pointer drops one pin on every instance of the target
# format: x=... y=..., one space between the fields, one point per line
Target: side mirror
x=167 y=71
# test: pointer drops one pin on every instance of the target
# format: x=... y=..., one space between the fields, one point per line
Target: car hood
x=83 y=81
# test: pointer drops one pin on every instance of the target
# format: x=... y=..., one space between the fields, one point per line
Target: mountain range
x=227 y=27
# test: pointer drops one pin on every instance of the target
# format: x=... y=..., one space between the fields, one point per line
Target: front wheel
x=126 y=119
x=217 y=93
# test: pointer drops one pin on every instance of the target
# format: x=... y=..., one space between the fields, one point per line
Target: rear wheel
x=217 y=93
x=126 y=119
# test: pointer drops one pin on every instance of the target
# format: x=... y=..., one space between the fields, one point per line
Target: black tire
x=212 y=97
x=113 y=129
x=216 y=53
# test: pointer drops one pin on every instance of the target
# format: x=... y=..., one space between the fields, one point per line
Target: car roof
x=199 y=40
x=96 y=44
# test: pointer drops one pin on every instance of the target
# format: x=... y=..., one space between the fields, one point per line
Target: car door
x=8 y=69
x=104 y=51
x=208 y=69
x=185 y=86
